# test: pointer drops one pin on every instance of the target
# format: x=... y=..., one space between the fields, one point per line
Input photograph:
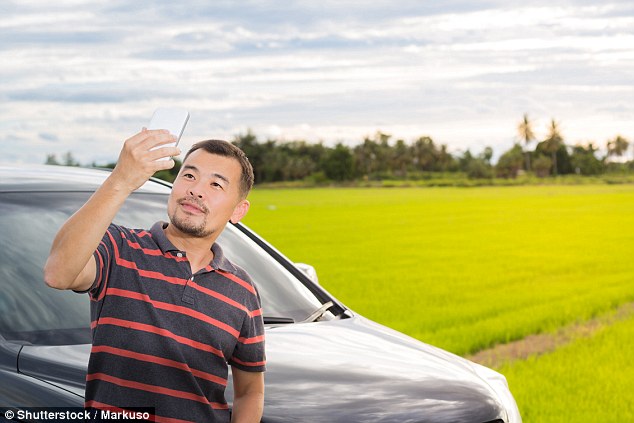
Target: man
x=169 y=311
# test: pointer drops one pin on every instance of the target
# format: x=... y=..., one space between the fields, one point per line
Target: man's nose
x=195 y=191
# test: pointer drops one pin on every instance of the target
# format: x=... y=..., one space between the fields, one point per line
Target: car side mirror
x=309 y=271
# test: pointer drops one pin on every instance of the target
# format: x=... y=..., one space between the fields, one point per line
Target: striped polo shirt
x=162 y=336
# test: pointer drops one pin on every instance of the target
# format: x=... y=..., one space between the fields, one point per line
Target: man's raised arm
x=71 y=264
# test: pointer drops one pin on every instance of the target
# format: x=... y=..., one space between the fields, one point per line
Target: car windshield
x=34 y=313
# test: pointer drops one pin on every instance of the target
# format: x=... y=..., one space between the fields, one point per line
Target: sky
x=83 y=76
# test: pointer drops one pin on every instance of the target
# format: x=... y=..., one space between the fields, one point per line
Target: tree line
x=378 y=157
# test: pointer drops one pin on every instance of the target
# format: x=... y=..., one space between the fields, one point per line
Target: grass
x=458 y=179
x=461 y=268
x=585 y=381
x=469 y=268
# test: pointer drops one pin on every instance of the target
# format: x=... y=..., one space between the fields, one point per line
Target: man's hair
x=226 y=149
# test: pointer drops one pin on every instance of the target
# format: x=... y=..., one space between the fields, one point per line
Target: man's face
x=206 y=195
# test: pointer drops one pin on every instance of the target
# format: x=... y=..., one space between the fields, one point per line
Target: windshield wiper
x=272 y=320
x=314 y=316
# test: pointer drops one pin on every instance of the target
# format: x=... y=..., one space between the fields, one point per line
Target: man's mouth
x=192 y=206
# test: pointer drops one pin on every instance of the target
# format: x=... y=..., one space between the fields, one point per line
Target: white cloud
x=81 y=77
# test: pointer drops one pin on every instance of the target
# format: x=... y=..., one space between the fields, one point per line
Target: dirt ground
x=543 y=343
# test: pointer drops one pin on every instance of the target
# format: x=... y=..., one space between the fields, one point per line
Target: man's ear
x=240 y=211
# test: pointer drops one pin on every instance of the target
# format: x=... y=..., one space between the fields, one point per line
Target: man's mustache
x=193 y=200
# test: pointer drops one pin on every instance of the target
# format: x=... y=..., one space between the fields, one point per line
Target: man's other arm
x=248 y=396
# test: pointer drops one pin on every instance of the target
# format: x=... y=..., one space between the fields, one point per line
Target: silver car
x=326 y=363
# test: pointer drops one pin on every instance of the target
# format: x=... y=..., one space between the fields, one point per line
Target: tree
x=525 y=129
x=67 y=160
x=487 y=154
x=584 y=160
x=445 y=160
x=465 y=160
x=542 y=165
x=273 y=162
x=617 y=146
x=302 y=159
x=479 y=169
x=249 y=144
x=476 y=167
x=553 y=143
x=425 y=154
x=338 y=165
x=510 y=162
x=365 y=156
x=401 y=159
x=561 y=155
x=51 y=159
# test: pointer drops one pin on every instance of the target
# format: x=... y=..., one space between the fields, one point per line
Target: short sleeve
x=249 y=354
x=105 y=255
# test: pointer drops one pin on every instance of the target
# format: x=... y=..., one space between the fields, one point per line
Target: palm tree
x=553 y=142
x=525 y=129
x=617 y=146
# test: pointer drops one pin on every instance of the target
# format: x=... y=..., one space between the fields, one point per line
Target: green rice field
x=469 y=268
x=588 y=380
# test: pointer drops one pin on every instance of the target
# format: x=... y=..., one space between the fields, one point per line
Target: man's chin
x=196 y=231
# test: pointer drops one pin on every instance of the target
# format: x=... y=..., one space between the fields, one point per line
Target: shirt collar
x=219 y=262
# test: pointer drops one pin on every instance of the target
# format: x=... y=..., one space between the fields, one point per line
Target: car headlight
x=500 y=386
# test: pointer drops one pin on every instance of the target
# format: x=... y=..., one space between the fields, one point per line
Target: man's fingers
x=161 y=152
x=155 y=138
x=164 y=164
x=146 y=134
x=150 y=145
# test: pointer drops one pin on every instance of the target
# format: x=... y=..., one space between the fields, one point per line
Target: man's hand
x=138 y=162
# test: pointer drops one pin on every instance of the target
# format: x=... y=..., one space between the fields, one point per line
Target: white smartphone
x=174 y=119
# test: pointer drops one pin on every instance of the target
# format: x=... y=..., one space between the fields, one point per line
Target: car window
x=32 y=312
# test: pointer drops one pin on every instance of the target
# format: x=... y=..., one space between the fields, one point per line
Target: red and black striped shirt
x=163 y=337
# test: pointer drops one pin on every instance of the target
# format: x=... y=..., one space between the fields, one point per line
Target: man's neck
x=198 y=250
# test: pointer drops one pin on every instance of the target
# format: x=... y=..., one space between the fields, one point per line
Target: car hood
x=355 y=370
x=351 y=370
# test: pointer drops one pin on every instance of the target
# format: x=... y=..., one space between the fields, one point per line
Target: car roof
x=21 y=178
